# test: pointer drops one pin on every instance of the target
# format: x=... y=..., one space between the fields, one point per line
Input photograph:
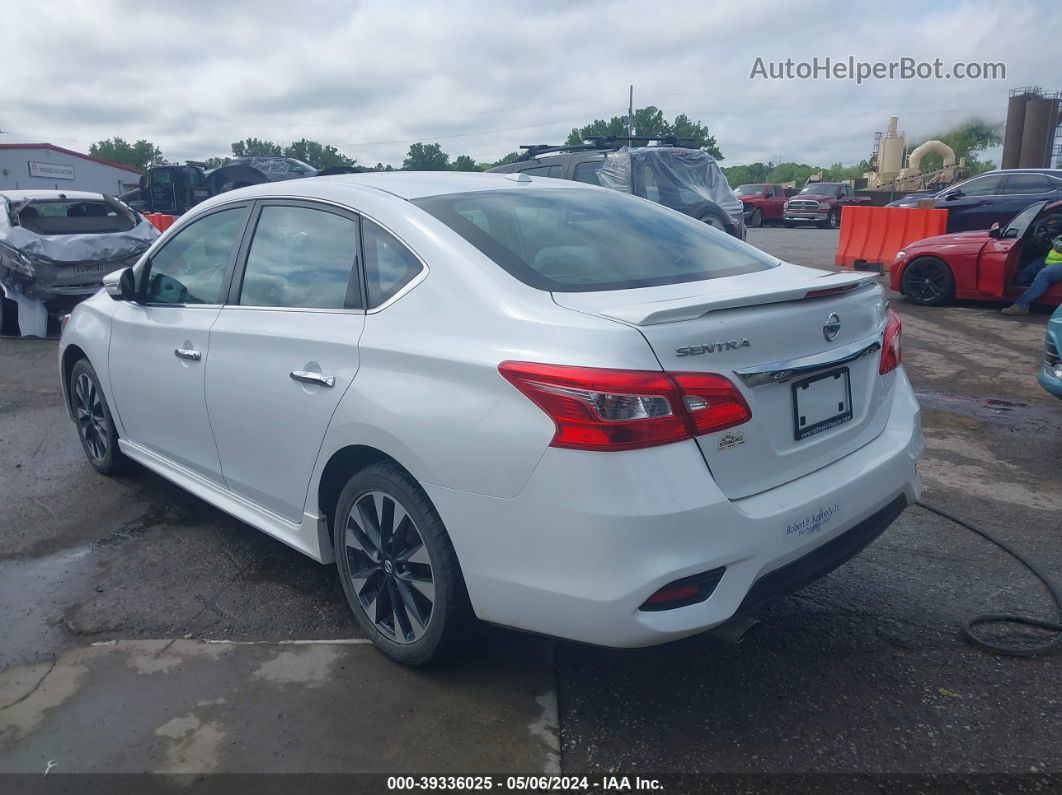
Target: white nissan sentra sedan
x=533 y=402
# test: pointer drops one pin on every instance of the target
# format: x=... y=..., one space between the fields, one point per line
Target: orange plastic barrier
x=160 y=221
x=871 y=236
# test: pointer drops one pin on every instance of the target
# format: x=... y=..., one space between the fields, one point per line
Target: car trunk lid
x=774 y=334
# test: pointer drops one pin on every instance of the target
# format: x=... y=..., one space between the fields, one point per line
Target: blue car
x=1050 y=377
x=996 y=196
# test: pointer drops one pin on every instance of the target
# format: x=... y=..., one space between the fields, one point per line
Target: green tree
x=215 y=162
x=250 y=147
x=509 y=158
x=684 y=127
x=750 y=174
x=649 y=122
x=139 y=155
x=465 y=163
x=797 y=173
x=426 y=157
x=839 y=172
x=382 y=167
x=318 y=155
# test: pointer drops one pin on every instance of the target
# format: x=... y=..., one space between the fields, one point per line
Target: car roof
x=44 y=195
x=404 y=184
x=1052 y=172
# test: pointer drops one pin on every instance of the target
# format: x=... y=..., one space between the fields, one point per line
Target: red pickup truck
x=763 y=202
x=820 y=203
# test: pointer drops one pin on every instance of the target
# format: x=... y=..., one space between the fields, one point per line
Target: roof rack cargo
x=603 y=143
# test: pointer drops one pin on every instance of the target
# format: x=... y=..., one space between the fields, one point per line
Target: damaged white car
x=55 y=249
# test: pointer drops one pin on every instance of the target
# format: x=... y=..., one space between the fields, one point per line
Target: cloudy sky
x=482 y=77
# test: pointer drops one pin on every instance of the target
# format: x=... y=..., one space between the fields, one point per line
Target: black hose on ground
x=1052 y=646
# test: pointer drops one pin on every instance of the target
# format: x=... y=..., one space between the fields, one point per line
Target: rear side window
x=1027 y=183
x=301 y=257
x=389 y=265
x=191 y=267
x=587 y=172
x=581 y=240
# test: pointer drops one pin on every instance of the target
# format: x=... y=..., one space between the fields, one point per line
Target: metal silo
x=1012 y=134
x=1038 y=133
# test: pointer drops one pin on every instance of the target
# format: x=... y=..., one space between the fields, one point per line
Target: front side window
x=389 y=265
x=301 y=257
x=983 y=186
x=190 y=268
x=582 y=240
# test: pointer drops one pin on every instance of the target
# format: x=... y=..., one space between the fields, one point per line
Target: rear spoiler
x=650 y=313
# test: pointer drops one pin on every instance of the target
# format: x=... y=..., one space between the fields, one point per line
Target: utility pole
x=630 y=114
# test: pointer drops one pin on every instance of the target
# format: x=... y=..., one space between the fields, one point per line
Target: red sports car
x=981 y=265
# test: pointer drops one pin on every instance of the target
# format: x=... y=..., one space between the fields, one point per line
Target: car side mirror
x=995 y=231
x=120 y=285
x=953 y=194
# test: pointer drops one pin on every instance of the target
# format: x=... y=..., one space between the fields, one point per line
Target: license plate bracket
x=822 y=402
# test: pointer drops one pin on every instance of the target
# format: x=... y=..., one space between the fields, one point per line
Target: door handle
x=310 y=377
x=185 y=353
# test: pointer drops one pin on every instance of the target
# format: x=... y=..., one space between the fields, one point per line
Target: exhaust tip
x=734 y=630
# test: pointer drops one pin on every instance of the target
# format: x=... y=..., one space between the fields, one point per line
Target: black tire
x=394 y=575
x=756 y=218
x=833 y=220
x=8 y=316
x=927 y=281
x=95 y=425
x=717 y=220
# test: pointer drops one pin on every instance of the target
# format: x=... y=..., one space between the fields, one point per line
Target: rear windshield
x=74 y=217
x=584 y=240
x=749 y=190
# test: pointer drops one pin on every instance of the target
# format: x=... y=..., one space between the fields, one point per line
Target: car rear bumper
x=593 y=535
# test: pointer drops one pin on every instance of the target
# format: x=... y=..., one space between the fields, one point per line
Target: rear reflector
x=607 y=410
x=687 y=591
x=891 y=343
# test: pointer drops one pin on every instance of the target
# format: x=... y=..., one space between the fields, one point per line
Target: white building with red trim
x=50 y=167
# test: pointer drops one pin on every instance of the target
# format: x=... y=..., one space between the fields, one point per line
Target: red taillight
x=667 y=596
x=598 y=409
x=891 y=343
x=711 y=402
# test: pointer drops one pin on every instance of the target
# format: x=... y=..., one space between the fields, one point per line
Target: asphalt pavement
x=144 y=630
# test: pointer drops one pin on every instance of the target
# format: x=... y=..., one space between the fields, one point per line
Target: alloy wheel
x=91 y=419
x=925 y=282
x=389 y=567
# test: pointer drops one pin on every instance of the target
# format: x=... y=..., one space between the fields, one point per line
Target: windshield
x=584 y=240
x=821 y=187
x=750 y=190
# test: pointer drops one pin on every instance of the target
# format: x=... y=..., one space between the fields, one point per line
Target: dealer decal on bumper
x=813 y=522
